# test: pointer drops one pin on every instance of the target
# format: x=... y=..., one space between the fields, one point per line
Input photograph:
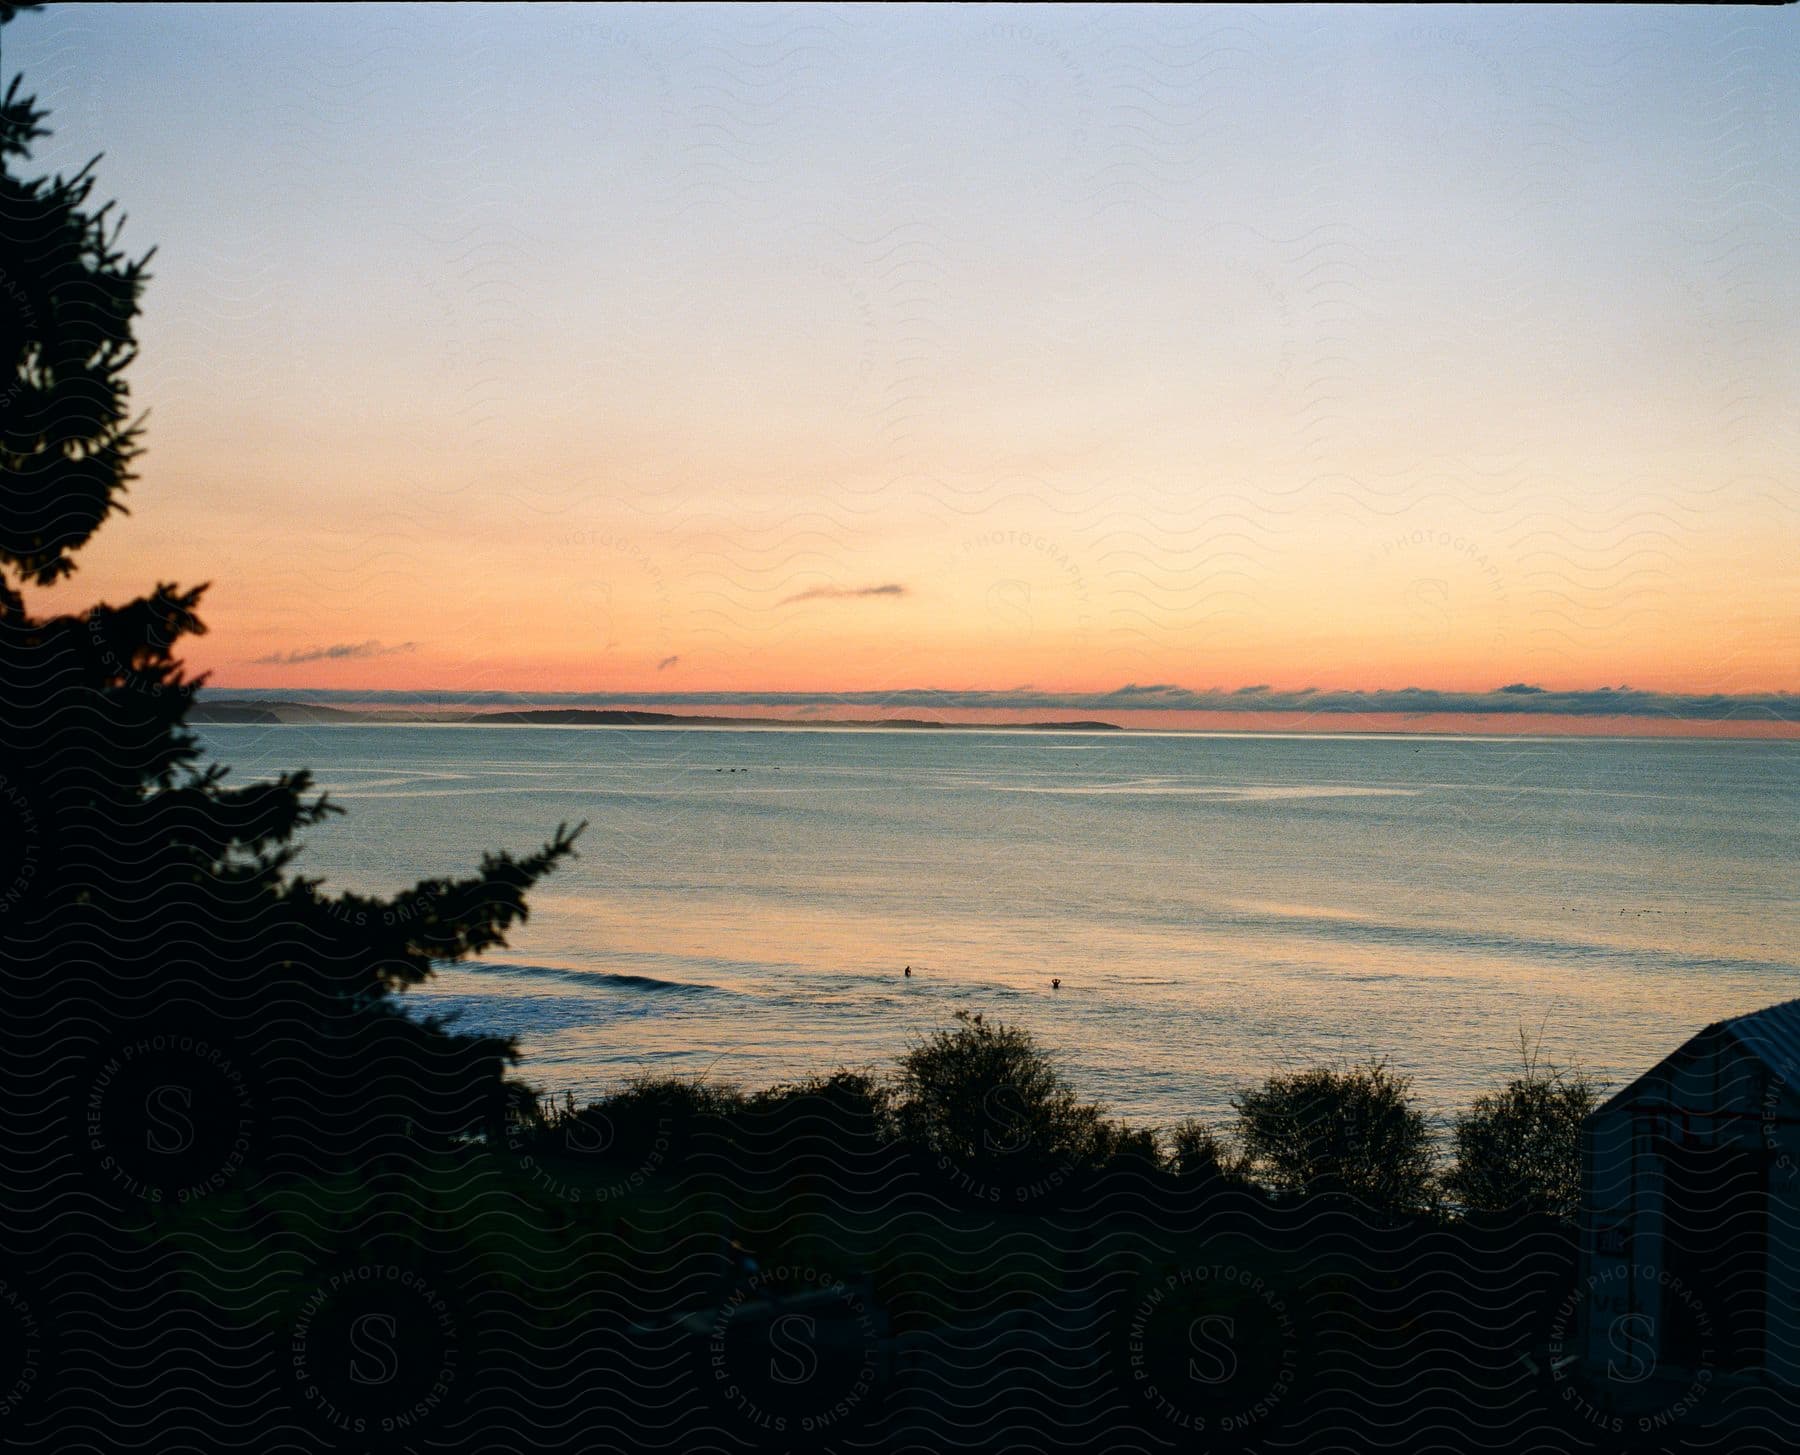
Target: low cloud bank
x=1514 y=699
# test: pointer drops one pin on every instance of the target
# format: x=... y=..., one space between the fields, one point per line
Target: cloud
x=666 y=663
x=338 y=652
x=843 y=593
x=1153 y=693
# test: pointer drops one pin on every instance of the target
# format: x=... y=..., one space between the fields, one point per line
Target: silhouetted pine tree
x=179 y=1009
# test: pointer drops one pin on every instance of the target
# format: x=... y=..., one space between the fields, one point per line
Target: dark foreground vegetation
x=246 y=1202
x=963 y=1255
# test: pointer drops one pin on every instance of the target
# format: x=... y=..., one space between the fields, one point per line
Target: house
x=1690 y=1235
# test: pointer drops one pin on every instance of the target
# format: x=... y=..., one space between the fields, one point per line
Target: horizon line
x=1517 y=699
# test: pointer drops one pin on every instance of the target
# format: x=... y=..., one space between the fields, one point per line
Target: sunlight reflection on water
x=1215 y=907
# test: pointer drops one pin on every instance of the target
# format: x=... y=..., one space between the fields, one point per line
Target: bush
x=830 y=1124
x=1518 y=1150
x=1197 y=1151
x=686 y=1098
x=1117 y=1144
x=847 y=1103
x=1352 y=1131
x=986 y=1097
x=652 y=1120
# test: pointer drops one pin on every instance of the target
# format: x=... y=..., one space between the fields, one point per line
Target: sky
x=692 y=353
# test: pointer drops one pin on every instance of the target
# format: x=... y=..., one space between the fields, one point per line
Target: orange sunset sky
x=829 y=351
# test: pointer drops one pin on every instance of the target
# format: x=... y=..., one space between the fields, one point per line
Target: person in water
x=909 y=972
x=1056 y=985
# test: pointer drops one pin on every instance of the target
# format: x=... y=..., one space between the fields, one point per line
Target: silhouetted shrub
x=1119 y=1144
x=986 y=1099
x=850 y=1105
x=686 y=1097
x=653 y=1121
x=1352 y=1131
x=1518 y=1149
x=1197 y=1151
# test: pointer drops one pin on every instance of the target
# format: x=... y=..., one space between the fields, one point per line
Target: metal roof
x=1771 y=1035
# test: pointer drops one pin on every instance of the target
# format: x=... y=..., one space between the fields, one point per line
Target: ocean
x=1216 y=906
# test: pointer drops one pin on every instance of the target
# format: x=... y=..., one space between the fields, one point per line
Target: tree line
x=985 y=1101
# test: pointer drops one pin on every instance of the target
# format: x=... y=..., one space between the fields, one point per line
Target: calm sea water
x=1216 y=907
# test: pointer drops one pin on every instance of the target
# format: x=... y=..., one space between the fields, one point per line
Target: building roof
x=1771 y=1035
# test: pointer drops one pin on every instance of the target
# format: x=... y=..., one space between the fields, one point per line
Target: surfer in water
x=909 y=972
x=1056 y=984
